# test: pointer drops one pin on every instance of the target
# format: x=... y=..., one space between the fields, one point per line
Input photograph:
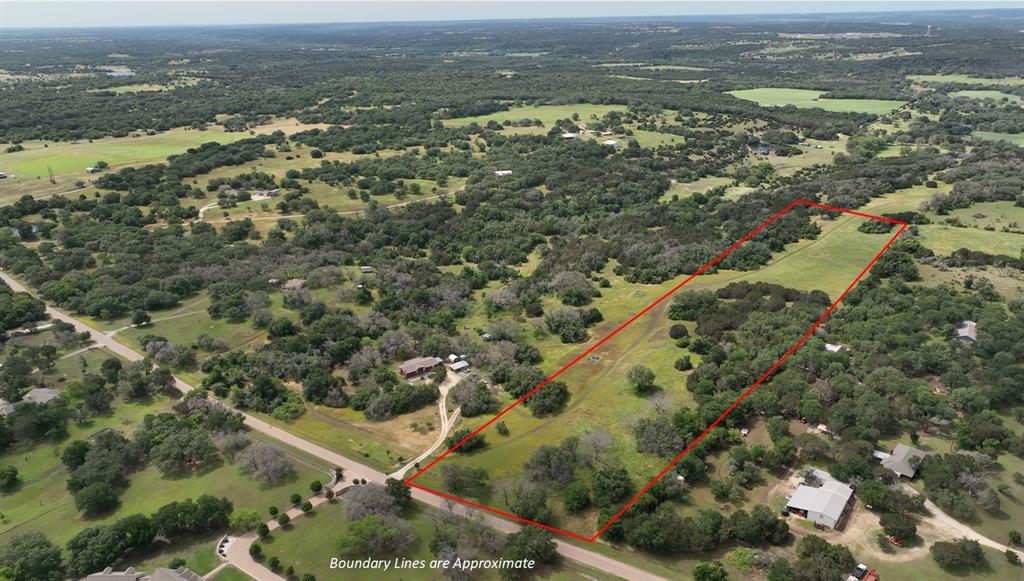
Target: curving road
x=352 y=468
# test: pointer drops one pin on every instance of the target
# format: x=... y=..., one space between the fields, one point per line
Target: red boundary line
x=735 y=404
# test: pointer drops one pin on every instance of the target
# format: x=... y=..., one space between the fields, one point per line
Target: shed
x=453 y=358
x=460 y=366
x=6 y=407
x=833 y=348
x=904 y=460
x=570 y=135
x=825 y=505
x=367 y=269
x=502 y=172
x=967 y=332
x=612 y=143
x=417 y=366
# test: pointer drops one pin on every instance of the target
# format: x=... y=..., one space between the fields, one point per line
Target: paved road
x=354 y=469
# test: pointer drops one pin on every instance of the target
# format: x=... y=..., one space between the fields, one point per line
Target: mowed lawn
x=548 y=114
x=601 y=395
x=807 y=99
x=42 y=503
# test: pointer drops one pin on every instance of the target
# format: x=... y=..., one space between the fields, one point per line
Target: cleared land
x=808 y=99
x=967 y=80
x=1014 y=138
x=548 y=114
x=987 y=94
x=602 y=397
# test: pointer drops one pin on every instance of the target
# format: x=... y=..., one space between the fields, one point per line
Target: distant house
x=460 y=366
x=160 y=574
x=761 y=148
x=612 y=143
x=569 y=135
x=294 y=284
x=605 y=133
x=367 y=269
x=487 y=337
x=967 y=332
x=92 y=170
x=904 y=460
x=418 y=366
x=502 y=172
x=6 y=407
x=41 y=395
x=826 y=505
x=833 y=348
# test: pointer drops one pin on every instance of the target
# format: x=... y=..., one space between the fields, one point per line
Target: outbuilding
x=967 y=332
x=825 y=505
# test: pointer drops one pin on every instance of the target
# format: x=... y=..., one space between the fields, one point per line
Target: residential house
x=418 y=366
x=502 y=172
x=904 y=460
x=569 y=135
x=160 y=574
x=294 y=284
x=967 y=332
x=6 y=407
x=825 y=505
x=612 y=143
x=109 y=574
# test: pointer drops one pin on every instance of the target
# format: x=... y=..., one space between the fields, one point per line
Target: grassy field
x=806 y=99
x=602 y=397
x=967 y=80
x=548 y=114
x=946 y=239
x=231 y=574
x=310 y=543
x=1014 y=138
x=987 y=94
x=991 y=214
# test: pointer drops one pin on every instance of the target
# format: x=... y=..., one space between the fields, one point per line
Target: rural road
x=352 y=468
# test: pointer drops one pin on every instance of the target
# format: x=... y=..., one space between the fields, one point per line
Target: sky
x=83 y=14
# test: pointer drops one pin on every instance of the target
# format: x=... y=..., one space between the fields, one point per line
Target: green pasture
x=991 y=214
x=1014 y=138
x=944 y=240
x=988 y=94
x=548 y=114
x=807 y=99
x=967 y=80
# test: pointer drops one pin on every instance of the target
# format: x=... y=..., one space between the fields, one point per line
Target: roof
x=418 y=363
x=460 y=365
x=41 y=395
x=128 y=574
x=967 y=330
x=294 y=283
x=502 y=172
x=6 y=407
x=180 y=574
x=367 y=269
x=904 y=460
x=833 y=347
x=829 y=500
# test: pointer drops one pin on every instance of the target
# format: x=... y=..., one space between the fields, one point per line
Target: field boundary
x=739 y=400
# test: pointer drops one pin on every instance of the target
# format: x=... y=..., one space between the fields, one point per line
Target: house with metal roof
x=41 y=395
x=418 y=366
x=967 y=332
x=904 y=460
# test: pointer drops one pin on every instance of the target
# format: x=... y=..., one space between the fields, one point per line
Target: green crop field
x=548 y=114
x=987 y=94
x=967 y=80
x=806 y=98
x=1014 y=138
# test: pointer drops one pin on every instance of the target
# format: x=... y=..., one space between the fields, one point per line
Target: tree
x=821 y=561
x=295 y=498
x=307 y=506
x=399 y=491
x=8 y=478
x=641 y=378
x=273 y=511
x=316 y=486
x=32 y=557
x=376 y=535
x=1015 y=537
x=371 y=499
x=960 y=553
x=472 y=444
x=781 y=571
x=576 y=497
x=898 y=526
x=464 y=480
x=531 y=544
x=265 y=463
x=141 y=318
x=245 y=519
x=262 y=530
x=283 y=519
x=255 y=550
x=549 y=399
x=96 y=498
x=710 y=571
x=610 y=484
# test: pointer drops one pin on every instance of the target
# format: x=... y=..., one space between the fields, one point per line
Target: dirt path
x=345 y=213
x=447 y=423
